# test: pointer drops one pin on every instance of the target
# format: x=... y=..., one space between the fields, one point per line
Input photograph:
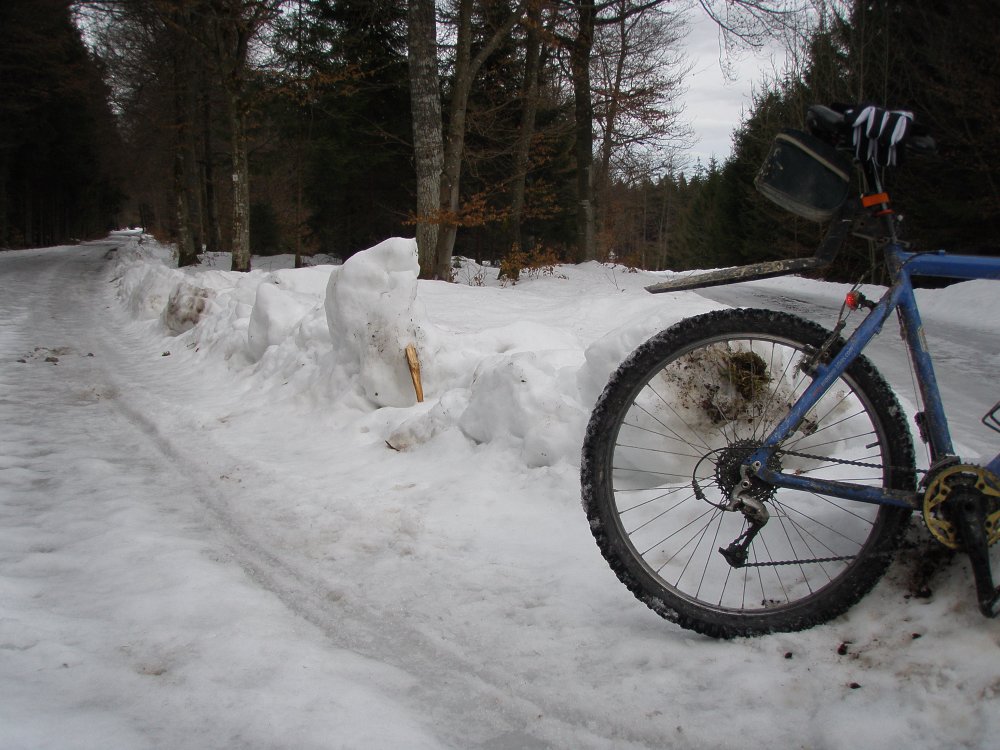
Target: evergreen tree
x=57 y=135
x=940 y=61
x=360 y=184
x=937 y=60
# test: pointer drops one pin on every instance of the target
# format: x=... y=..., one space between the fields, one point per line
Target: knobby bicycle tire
x=662 y=454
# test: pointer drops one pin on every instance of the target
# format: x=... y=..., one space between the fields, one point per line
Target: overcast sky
x=713 y=105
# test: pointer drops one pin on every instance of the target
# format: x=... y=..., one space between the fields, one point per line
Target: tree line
x=59 y=147
x=481 y=126
x=486 y=128
x=937 y=60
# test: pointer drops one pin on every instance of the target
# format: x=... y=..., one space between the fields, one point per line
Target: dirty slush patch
x=50 y=356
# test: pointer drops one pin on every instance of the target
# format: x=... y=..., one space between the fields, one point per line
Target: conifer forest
x=512 y=131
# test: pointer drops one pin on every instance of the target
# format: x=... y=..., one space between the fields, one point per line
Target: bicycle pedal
x=992 y=418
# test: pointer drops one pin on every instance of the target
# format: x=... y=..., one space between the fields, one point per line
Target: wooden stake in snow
x=414 y=364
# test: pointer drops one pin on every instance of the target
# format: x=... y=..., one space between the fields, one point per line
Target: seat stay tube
x=824 y=377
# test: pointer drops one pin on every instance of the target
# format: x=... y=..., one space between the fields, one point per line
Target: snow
x=226 y=522
x=372 y=317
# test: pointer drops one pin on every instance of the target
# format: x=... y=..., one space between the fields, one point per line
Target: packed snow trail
x=154 y=609
x=201 y=551
x=127 y=619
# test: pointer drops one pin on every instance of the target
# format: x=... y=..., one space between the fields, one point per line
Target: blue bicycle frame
x=899 y=297
x=960 y=502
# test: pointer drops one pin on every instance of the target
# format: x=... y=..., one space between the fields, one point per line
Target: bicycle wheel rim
x=683 y=422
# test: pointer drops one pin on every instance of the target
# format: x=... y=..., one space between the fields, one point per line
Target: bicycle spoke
x=690 y=539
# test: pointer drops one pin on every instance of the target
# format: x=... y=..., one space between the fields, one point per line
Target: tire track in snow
x=448 y=685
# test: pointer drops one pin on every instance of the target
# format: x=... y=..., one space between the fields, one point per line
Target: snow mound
x=277 y=310
x=962 y=304
x=373 y=316
x=606 y=353
x=144 y=281
x=514 y=368
x=518 y=398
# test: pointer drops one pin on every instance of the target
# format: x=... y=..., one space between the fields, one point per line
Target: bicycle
x=747 y=471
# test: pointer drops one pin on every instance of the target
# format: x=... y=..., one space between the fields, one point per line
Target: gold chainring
x=940 y=489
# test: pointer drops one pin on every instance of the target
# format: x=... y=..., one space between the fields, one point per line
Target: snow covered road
x=202 y=551
x=130 y=613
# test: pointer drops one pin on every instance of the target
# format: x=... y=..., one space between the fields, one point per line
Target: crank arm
x=968 y=515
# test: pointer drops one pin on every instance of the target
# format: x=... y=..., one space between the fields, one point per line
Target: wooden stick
x=414 y=364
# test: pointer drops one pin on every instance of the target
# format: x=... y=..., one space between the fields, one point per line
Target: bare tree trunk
x=583 y=107
x=213 y=228
x=299 y=141
x=526 y=131
x=601 y=183
x=611 y=117
x=298 y=204
x=466 y=68
x=192 y=184
x=228 y=31
x=428 y=146
x=4 y=223
x=241 y=185
x=455 y=143
x=187 y=255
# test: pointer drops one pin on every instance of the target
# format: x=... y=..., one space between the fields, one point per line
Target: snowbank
x=492 y=369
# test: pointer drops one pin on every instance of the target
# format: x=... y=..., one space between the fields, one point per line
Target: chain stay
x=816 y=560
x=937 y=493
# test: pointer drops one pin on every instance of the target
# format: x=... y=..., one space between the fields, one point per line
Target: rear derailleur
x=753 y=509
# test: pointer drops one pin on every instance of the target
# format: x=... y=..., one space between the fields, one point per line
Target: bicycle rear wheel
x=663 y=452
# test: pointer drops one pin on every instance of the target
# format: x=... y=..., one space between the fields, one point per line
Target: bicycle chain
x=775 y=563
x=846 y=462
x=935 y=495
x=799 y=454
